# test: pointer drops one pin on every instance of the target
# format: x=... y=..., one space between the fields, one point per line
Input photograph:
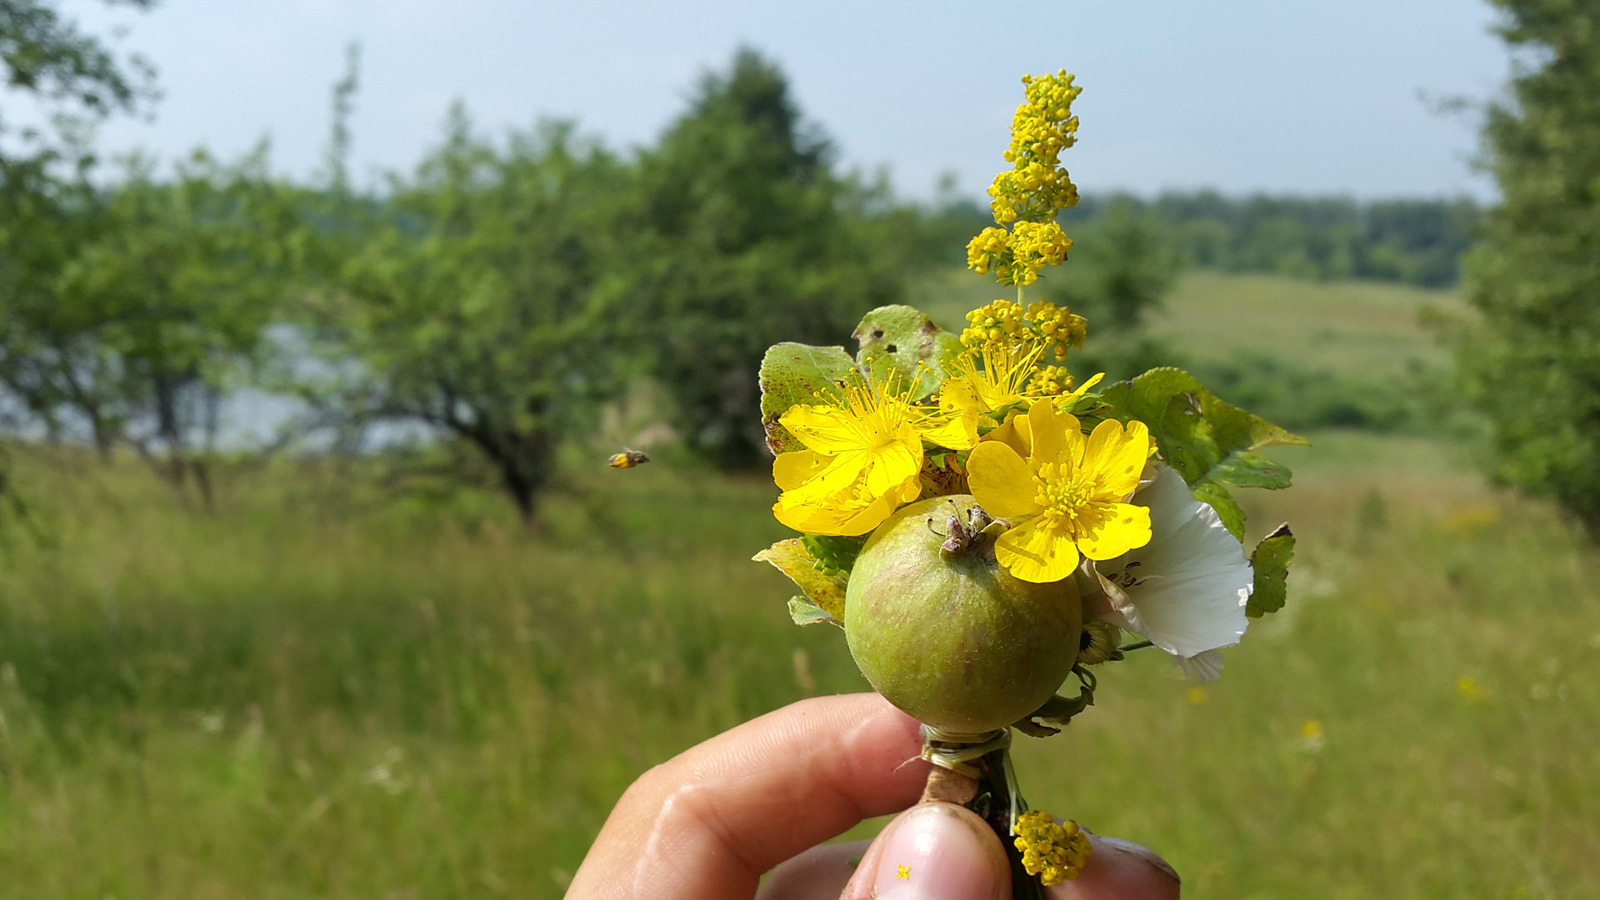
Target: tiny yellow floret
x=1053 y=851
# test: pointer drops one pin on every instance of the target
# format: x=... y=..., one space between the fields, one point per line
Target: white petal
x=1186 y=590
x=1202 y=666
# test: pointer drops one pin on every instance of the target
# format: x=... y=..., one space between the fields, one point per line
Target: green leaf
x=1271 y=564
x=794 y=374
x=793 y=559
x=804 y=612
x=1227 y=509
x=1208 y=441
x=1246 y=469
x=833 y=553
x=904 y=339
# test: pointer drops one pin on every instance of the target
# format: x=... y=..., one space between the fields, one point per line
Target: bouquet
x=986 y=526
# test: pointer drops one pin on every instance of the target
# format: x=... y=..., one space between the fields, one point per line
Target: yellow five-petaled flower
x=1068 y=497
x=863 y=458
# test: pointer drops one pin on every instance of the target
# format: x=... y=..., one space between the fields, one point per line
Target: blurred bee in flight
x=627 y=459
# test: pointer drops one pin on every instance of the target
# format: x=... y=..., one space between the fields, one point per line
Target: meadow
x=322 y=689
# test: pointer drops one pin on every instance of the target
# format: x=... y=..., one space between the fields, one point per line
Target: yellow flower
x=1017 y=256
x=862 y=459
x=1036 y=186
x=1006 y=327
x=1065 y=499
x=1053 y=851
x=989 y=382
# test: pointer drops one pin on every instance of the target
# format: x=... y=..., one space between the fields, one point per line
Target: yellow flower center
x=1072 y=500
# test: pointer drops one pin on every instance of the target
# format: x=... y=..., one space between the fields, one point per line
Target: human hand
x=708 y=823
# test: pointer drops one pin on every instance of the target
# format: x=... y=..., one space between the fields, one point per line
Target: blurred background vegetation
x=407 y=636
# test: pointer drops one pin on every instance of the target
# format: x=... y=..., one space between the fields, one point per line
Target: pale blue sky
x=1239 y=95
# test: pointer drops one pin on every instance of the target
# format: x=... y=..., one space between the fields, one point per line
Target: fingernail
x=939 y=851
x=1144 y=853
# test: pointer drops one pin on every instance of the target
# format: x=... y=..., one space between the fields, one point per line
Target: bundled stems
x=987 y=785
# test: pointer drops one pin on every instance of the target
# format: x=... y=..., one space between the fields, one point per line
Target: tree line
x=1411 y=241
x=507 y=289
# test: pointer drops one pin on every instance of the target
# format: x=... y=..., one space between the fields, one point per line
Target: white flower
x=1185 y=591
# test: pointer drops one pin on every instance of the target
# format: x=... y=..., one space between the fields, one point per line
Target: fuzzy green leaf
x=1205 y=439
x=1271 y=564
x=794 y=374
x=904 y=339
x=793 y=559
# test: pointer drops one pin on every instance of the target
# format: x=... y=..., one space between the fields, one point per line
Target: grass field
x=321 y=691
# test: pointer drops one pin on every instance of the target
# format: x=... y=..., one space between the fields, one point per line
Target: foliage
x=751 y=240
x=73 y=74
x=1534 y=363
x=1325 y=238
x=488 y=301
x=323 y=690
x=74 y=80
x=1124 y=263
x=150 y=303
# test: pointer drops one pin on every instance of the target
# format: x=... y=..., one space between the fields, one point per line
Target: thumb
x=933 y=851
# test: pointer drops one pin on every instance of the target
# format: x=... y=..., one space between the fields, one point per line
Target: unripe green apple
x=947 y=634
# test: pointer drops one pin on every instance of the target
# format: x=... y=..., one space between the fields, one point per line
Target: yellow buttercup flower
x=862 y=459
x=1067 y=499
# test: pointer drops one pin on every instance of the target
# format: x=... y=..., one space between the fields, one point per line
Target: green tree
x=74 y=81
x=752 y=240
x=157 y=306
x=73 y=75
x=1534 y=364
x=1123 y=264
x=489 y=302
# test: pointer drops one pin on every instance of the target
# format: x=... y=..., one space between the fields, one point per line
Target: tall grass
x=348 y=699
x=320 y=690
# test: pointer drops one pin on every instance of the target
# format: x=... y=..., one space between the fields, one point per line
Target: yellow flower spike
x=1053 y=851
x=862 y=458
x=1066 y=499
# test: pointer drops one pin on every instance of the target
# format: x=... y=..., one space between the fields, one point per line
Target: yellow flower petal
x=1057 y=437
x=893 y=464
x=1035 y=553
x=1066 y=400
x=1001 y=481
x=1118 y=456
x=790 y=470
x=1124 y=527
x=839 y=517
x=839 y=475
x=1015 y=433
x=822 y=428
x=956 y=432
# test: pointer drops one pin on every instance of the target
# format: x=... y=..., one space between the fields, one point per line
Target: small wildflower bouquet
x=984 y=526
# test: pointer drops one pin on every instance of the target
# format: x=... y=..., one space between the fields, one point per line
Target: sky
x=1236 y=95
